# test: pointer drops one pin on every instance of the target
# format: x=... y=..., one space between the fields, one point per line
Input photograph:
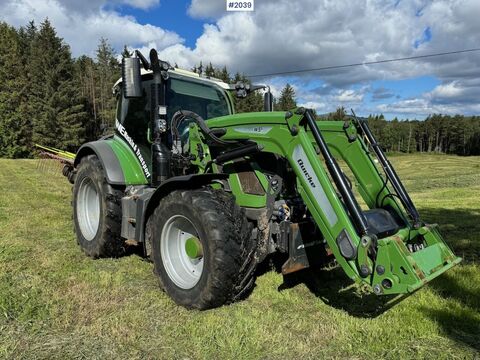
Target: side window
x=134 y=114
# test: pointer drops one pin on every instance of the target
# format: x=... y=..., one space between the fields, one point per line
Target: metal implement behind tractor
x=210 y=193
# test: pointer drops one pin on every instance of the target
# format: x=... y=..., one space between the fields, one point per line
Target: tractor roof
x=186 y=73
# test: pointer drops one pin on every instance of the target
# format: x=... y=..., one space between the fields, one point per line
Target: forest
x=51 y=98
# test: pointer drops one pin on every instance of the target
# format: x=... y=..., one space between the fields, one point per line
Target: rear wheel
x=97 y=211
x=202 y=248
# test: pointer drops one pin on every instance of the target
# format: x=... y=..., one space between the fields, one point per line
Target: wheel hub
x=193 y=248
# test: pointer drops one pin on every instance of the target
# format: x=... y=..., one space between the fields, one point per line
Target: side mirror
x=268 y=101
x=131 y=78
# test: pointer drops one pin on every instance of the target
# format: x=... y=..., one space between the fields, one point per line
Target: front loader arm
x=392 y=263
x=314 y=185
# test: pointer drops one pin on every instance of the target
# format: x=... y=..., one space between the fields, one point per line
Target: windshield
x=204 y=99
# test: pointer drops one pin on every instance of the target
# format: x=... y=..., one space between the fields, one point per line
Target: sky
x=284 y=35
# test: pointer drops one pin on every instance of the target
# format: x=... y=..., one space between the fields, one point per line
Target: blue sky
x=171 y=15
x=282 y=35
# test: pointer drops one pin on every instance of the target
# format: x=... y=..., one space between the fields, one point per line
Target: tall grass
x=57 y=303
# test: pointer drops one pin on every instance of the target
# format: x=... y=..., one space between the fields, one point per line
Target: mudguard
x=142 y=205
x=192 y=181
x=121 y=165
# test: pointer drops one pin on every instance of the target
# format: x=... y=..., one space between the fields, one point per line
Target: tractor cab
x=184 y=90
x=150 y=93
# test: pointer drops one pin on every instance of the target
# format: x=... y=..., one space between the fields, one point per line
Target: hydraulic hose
x=181 y=115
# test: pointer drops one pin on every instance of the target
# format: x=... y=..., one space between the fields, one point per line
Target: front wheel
x=97 y=211
x=202 y=248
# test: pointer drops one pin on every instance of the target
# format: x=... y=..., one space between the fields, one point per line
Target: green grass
x=57 y=303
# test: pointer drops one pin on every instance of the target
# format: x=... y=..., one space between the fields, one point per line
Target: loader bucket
x=410 y=259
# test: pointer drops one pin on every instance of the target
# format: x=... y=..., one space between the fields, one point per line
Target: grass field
x=56 y=303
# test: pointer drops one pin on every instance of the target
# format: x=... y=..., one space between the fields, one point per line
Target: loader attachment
x=387 y=246
x=364 y=214
x=417 y=254
x=406 y=261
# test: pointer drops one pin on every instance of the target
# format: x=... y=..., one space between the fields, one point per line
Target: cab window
x=203 y=99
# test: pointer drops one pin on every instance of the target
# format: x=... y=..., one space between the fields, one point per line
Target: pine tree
x=209 y=70
x=287 y=99
x=27 y=35
x=108 y=71
x=339 y=115
x=14 y=128
x=85 y=78
x=223 y=74
x=59 y=112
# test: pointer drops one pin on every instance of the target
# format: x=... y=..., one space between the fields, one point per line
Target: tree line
x=47 y=96
x=436 y=134
x=50 y=98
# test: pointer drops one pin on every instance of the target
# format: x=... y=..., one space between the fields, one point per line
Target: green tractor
x=210 y=194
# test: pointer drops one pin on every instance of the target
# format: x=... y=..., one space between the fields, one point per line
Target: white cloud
x=349 y=96
x=206 y=8
x=447 y=91
x=275 y=89
x=422 y=107
x=281 y=35
x=82 y=30
x=142 y=4
x=455 y=97
x=91 y=6
x=409 y=106
x=316 y=105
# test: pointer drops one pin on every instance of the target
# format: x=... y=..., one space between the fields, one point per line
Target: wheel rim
x=184 y=270
x=88 y=209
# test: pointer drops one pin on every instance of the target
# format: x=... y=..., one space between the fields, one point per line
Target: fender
x=193 y=181
x=121 y=165
x=107 y=157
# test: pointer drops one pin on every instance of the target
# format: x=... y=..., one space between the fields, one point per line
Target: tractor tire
x=221 y=267
x=97 y=211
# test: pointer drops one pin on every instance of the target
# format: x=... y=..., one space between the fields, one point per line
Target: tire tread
x=230 y=275
x=108 y=242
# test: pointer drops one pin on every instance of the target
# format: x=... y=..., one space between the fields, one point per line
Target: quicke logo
x=305 y=172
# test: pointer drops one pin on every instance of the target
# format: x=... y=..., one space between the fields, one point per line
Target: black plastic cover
x=381 y=222
x=345 y=245
x=131 y=78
